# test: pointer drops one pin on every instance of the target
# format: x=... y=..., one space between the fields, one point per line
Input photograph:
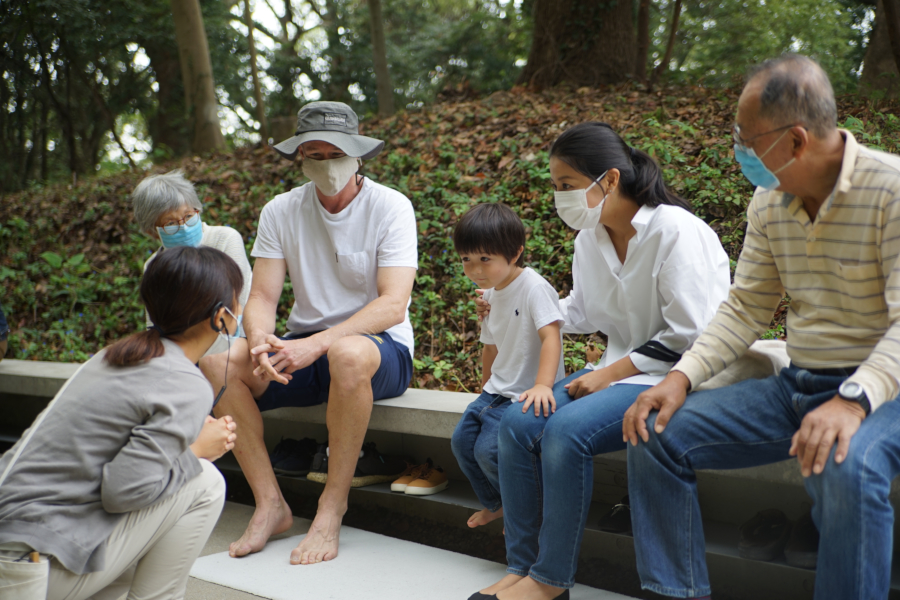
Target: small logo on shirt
x=517 y=312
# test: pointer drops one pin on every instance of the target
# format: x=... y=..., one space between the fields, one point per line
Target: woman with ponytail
x=649 y=275
x=112 y=485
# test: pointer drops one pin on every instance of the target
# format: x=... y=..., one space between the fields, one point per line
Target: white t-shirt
x=517 y=312
x=333 y=260
x=654 y=306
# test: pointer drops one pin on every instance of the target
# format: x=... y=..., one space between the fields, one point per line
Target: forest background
x=468 y=95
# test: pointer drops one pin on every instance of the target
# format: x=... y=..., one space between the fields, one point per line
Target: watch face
x=850 y=389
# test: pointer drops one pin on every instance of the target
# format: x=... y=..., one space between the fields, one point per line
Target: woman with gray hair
x=167 y=208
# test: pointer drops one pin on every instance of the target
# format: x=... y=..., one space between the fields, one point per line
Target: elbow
x=122 y=500
x=397 y=314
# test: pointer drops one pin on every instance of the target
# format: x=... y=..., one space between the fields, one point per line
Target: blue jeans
x=547 y=477
x=474 y=445
x=749 y=424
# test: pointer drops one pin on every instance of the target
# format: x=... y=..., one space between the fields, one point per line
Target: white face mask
x=572 y=206
x=330 y=176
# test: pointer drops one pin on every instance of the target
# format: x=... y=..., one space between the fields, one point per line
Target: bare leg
x=272 y=514
x=484 y=516
x=353 y=362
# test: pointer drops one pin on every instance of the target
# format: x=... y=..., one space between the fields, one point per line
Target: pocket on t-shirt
x=353 y=270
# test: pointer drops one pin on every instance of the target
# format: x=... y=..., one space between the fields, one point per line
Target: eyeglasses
x=172 y=227
x=736 y=135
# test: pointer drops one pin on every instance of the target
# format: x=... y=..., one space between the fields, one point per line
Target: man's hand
x=541 y=396
x=589 y=383
x=837 y=419
x=482 y=308
x=216 y=438
x=290 y=356
x=667 y=396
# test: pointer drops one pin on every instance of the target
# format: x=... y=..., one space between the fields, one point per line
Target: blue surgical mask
x=753 y=168
x=188 y=234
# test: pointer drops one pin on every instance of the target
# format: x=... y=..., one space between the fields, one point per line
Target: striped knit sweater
x=840 y=271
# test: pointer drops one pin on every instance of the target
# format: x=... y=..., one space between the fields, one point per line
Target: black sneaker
x=618 y=519
x=281 y=450
x=764 y=536
x=295 y=458
x=802 y=549
x=371 y=468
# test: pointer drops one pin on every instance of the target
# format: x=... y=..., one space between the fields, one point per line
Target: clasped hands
x=836 y=420
x=289 y=356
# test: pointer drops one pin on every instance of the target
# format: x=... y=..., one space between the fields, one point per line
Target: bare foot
x=529 y=589
x=508 y=581
x=264 y=524
x=321 y=541
x=484 y=516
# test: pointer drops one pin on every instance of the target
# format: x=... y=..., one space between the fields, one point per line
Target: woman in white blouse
x=167 y=208
x=649 y=275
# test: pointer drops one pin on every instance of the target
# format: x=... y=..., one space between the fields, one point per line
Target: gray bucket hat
x=332 y=122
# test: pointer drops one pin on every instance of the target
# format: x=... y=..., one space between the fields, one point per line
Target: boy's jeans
x=749 y=424
x=547 y=477
x=474 y=445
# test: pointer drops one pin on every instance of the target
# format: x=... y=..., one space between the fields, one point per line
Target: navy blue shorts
x=309 y=386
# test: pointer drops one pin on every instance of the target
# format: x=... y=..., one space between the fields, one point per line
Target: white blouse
x=657 y=303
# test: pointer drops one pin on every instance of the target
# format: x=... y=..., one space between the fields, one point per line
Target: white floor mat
x=370 y=566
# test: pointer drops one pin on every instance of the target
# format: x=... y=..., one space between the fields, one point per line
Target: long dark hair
x=592 y=148
x=182 y=286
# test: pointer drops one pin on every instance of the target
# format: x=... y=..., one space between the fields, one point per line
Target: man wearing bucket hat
x=349 y=247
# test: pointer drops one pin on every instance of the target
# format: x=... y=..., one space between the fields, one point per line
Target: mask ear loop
x=217 y=329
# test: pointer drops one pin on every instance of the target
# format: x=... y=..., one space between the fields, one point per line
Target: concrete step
x=369 y=566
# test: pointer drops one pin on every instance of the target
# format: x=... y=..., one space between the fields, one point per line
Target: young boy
x=522 y=356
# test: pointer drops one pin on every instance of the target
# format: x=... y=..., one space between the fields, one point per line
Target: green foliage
x=71 y=258
x=718 y=40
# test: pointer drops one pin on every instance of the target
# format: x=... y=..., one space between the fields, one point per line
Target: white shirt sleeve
x=572 y=307
x=543 y=304
x=684 y=292
x=268 y=243
x=231 y=243
x=399 y=245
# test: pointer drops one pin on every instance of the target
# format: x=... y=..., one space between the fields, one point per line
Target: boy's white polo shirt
x=517 y=312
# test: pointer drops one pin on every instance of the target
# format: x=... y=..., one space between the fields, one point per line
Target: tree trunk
x=880 y=75
x=580 y=42
x=196 y=73
x=379 y=57
x=643 y=40
x=892 y=20
x=167 y=126
x=254 y=72
x=673 y=32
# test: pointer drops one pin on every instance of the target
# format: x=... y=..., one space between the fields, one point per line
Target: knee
x=851 y=479
x=353 y=358
x=211 y=482
x=237 y=360
x=518 y=428
x=560 y=438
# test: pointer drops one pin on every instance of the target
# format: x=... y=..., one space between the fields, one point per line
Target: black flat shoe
x=480 y=596
x=802 y=549
x=618 y=519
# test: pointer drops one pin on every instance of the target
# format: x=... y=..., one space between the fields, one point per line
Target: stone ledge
x=34 y=377
x=429 y=413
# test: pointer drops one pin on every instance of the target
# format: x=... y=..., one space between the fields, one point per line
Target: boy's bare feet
x=529 y=589
x=321 y=541
x=504 y=583
x=266 y=522
x=484 y=516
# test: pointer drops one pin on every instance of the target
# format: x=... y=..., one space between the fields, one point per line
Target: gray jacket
x=116 y=440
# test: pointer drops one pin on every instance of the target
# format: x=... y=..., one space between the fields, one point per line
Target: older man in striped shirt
x=823 y=226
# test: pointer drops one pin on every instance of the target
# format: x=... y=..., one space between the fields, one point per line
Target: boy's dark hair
x=492 y=228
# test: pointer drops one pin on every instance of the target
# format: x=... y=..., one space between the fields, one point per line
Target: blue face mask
x=188 y=234
x=753 y=168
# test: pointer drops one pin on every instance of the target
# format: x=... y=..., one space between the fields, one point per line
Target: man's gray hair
x=159 y=194
x=796 y=91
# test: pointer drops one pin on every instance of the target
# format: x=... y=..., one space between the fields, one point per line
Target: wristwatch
x=853 y=392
